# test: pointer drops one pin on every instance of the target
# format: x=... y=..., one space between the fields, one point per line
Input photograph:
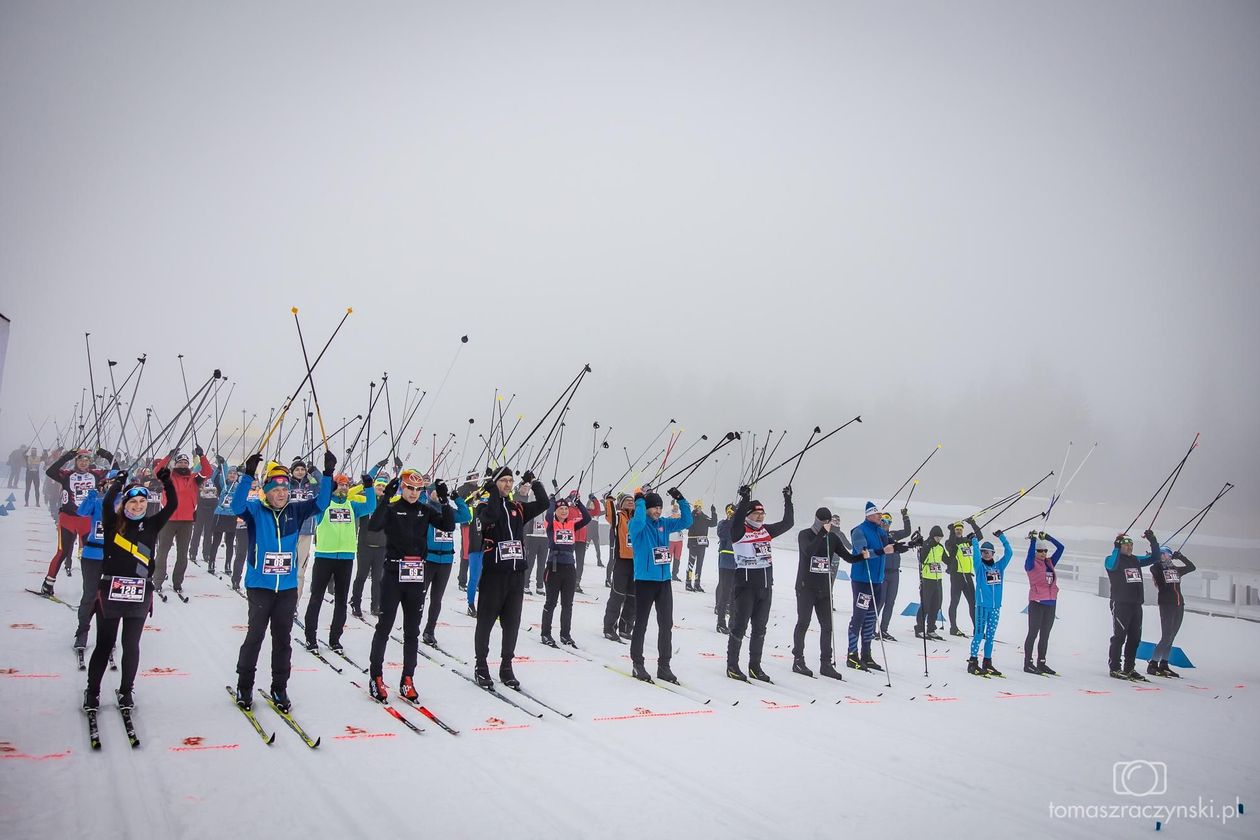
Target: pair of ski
x=94 y=729
x=491 y=690
x=422 y=709
x=270 y=738
x=53 y=598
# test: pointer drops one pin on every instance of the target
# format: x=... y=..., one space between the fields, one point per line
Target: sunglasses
x=1042 y=551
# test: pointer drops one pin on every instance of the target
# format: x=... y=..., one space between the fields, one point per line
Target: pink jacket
x=1043 y=582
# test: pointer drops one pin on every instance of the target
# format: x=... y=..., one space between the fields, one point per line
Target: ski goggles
x=885 y=518
x=135 y=493
x=1126 y=541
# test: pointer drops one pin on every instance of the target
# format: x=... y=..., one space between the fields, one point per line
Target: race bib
x=127 y=590
x=443 y=536
x=966 y=549
x=277 y=562
x=564 y=537
x=660 y=556
x=1050 y=577
x=935 y=568
x=1132 y=575
x=1172 y=576
x=98 y=533
x=511 y=550
x=240 y=524
x=762 y=550
x=340 y=515
x=411 y=571
x=820 y=565
x=702 y=541
x=864 y=601
x=80 y=487
x=992 y=577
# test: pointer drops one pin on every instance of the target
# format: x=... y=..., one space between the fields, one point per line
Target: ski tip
x=272 y=739
x=316 y=744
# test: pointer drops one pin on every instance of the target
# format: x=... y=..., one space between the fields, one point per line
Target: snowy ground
x=948 y=754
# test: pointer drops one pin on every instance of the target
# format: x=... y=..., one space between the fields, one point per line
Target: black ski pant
x=892 y=581
x=561 y=583
x=962 y=586
x=395 y=593
x=500 y=597
x=621 y=599
x=371 y=563
x=242 y=550
x=648 y=594
x=535 y=559
x=722 y=599
x=276 y=610
x=1040 y=622
x=90 y=570
x=931 y=594
x=106 y=635
x=202 y=534
x=1170 y=616
x=750 y=603
x=328 y=570
x=695 y=561
x=32 y=480
x=436 y=576
x=462 y=580
x=1126 y=632
x=813 y=599
x=224 y=533
x=579 y=553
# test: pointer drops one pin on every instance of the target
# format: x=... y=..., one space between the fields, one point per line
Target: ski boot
x=280 y=696
x=721 y=628
x=1168 y=672
x=1116 y=673
x=887 y=637
x=245 y=697
x=919 y=634
x=954 y=631
x=690 y=587
x=578 y=589
x=125 y=701
x=665 y=674
x=312 y=645
x=973 y=667
x=732 y=671
x=933 y=637
x=482 y=675
x=407 y=690
x=1134 y=676
x=869 y=663
x=854 y=661
x=472 y=611
x=356 y=611
x=640 y=673
x=508 y=678
x=828 y=670
x=613 y=637
x=755 y=672
x=989 y=670
x=568 y=641
x=91 y=702
x=377 y=690
x=463 y=587
x=47 y=588
x=1153 y=668
x=429 y=639
x=1043 y=668
x=546 y=639
x=799 y=667
x=1030 y=668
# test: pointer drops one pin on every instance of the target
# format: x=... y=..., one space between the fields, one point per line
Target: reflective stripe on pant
x=1126 y=632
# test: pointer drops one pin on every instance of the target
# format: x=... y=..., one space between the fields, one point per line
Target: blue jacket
x=226 y=490
x=869 y=535
x=94 y=542
x=646 y=535
x=444 y=550
x=274 y=531
x=989 y=579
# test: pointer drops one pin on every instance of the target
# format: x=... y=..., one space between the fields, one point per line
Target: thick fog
x=998 y=227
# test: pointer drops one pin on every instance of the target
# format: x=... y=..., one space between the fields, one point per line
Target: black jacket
x=502 y=520
x=406 y=526
x=820 y=543
x=141 y=533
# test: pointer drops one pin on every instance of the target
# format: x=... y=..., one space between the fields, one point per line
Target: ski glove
x=675 y=494
x=251 y=463
x=330 y=462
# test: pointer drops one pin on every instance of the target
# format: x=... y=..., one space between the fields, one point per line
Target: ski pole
x=1061 y=493
x=1224 y=489
x=727 y=438
x=1176 y=470
x=817 y=430
x=812 y=446
x=1015 y=501
x=912 y=475
x=1227 y=488
x=298 y=390
x=569 y=391
x=1171 y=484
x=92 y=385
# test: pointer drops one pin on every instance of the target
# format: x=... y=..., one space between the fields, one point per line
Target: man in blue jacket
x=271 y=571
x=649 y=536
x=867 y=581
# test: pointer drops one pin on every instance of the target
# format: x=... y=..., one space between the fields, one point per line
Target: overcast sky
x=995 y=226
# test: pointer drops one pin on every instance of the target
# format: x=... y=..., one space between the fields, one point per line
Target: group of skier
x=407 y=531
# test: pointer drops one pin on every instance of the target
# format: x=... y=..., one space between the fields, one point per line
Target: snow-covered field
x=946 y=755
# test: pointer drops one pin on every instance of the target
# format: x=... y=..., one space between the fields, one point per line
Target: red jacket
x=186 y=488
